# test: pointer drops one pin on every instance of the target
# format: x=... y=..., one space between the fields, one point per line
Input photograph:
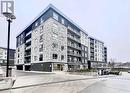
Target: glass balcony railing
x=29 y=47
x=74 y=54
x=76 y=47
x=73 y=38
x=74 y=31
x=28 y=33
x=28 y=40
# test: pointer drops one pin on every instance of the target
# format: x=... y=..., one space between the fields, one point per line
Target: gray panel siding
x=41 y=67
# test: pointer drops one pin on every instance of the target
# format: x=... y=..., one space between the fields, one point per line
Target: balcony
x=74 y=31
x=75 y=47
x=28 y=40
x=74 y=62
x=29 y=47
x=28 y=33
x=27 y=55
x=73 y=38
x=73 y=54
x=27 y=61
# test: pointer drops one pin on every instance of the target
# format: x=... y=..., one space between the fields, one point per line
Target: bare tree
x=112 y=63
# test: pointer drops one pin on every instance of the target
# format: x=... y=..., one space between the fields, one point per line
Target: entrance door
x=57 y=67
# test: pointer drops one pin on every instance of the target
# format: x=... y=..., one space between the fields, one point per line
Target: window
x=54 y=36
x=41 y=48
x=62 y=57
x=62 y=21
x=54 y=45
x=55 y=56
x=86 y=36
x=55 y=27
x=41 y=38
x=36 y=24
x=18 y=60
x=85 y=48
x=83 y=54
x=41 y=29
x=21 y=36
x=82 y=60
x=62 y=48
x=18 y=55
x=41 y=57
x=41 y=20
x=35 y=58
x=86 y=55
x=82 y=47
x=18 y=50
x=85 y=60
x=55 y=16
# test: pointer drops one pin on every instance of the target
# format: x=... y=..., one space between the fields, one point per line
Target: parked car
x=128 y=71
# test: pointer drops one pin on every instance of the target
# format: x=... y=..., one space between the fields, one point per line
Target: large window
x=55 y=56
x=55 y=16
x=41 y=57
x=62 y=48
x=41 y=20
x=54 y=45
x=41 y=38
x=62 y=57
x=35 y=58
x=41 y=29
x=54 y=35
x=36 y=24
x=62 y=21
x=41 y=48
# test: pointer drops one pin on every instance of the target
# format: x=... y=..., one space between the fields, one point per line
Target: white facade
x=98 y=49
x=19 y=55
x=84 y=38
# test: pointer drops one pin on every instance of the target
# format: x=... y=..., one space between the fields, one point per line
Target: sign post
x=7 y=9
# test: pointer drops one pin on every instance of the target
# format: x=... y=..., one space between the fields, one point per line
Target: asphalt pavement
x=36 y=82
x=119 y=84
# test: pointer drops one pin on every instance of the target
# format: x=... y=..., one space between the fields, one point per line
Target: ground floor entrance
x=57 y=67
x=19 y=67
x=27 y=67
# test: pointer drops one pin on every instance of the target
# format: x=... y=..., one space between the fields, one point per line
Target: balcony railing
x=73 y=38
x=27 y=61
x=28 y=40
x=76 y=47
x=28 y=33
x=74 y=54
x=29 y=47
x=77 y=33
x=74 y=62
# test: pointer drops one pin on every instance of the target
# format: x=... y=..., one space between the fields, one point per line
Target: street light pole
x=8 y=45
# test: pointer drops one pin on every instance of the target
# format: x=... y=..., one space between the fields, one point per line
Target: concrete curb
x=6 y=83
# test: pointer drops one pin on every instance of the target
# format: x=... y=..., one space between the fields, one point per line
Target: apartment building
x=52 y=42
x=3 y=56
x=97 y=53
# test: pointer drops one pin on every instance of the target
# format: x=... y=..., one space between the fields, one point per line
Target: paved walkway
x=52 y=83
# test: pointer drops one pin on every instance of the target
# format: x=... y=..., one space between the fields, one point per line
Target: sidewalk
x=5 y=83
x=29 y=81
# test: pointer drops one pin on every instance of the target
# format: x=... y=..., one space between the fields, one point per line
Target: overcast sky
x=107 y=20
